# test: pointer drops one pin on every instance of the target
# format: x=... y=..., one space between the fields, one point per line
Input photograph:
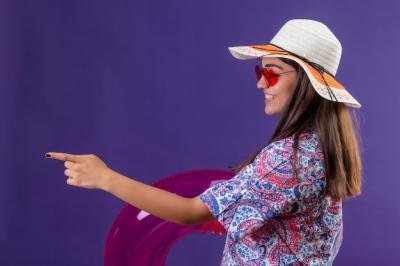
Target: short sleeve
x=262 y=190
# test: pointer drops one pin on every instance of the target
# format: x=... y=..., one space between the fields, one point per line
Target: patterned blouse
x=272 y=218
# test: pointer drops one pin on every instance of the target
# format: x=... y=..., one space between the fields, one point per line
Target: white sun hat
x=314 y=47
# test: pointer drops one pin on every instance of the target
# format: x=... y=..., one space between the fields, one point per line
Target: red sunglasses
x=270 y=75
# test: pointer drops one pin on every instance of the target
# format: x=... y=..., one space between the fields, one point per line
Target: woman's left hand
x=86 y=170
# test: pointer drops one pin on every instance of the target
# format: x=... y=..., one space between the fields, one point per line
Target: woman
x=284 y=205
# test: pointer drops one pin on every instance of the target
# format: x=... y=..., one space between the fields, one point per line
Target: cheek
x=285 y=90
x=288 y=87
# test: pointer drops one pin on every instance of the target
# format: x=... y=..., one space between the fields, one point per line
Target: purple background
x=150 y=87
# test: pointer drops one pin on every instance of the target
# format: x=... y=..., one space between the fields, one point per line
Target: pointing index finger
x=63 y=156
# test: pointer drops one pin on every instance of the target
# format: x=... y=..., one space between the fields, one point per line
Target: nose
x=262 y=83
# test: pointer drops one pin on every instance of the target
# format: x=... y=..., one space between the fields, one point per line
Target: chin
x=269 y=112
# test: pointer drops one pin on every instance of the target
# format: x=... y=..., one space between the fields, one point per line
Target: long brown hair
x=337 y=130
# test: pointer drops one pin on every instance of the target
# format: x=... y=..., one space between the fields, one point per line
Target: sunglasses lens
x=258 y=72
x=272 y=78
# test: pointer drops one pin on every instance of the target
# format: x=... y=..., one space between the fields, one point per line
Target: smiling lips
x=270 y=97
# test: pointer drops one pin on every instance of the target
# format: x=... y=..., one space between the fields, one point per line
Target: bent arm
x=161 y=203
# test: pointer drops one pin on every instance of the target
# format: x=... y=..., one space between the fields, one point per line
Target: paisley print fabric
x=273 y=218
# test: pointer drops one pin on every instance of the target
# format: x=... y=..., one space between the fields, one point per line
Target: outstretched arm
x=89 y=171
x=161 y=203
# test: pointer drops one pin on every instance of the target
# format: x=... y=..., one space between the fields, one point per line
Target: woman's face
x=283 y=87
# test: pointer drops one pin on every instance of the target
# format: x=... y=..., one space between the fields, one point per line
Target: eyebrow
x=273 y=65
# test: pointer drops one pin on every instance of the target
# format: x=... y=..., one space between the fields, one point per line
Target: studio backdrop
x=151 y=88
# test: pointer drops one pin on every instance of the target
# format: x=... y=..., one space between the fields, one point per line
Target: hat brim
x=317 y=79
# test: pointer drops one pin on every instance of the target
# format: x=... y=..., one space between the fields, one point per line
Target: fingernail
x=47 y=155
